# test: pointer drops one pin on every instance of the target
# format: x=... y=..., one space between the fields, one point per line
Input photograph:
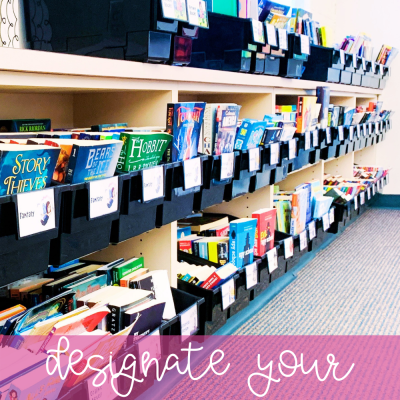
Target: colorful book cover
x=218 y=251
x=299 y=212
x=265 y=232
x=148 y=317
x=266 y=6
x=184 y=122
x=88 y=285
x=92 y=160
x=307 y=187
x=26 y=168
x=109 y=127
x=226 y=121
x=323 y=98
x=142 y=150
x=241 y=241
x=286 y=206
x=250 y=134
x=120 y=271
x=25 y=125
x=304 y=118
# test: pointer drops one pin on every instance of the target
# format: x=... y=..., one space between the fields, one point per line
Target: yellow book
x=326 y=36
x=213 y=252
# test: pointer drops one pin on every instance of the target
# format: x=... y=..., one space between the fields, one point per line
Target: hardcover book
x=126 y=268
x=250 y=134
x=265 y=231
x=184 y=121
x=323 y=98
x=226 y=127
x=299 y=212
x=87 y=285
x=241 y=241
x=307 y=187
x=305 y=113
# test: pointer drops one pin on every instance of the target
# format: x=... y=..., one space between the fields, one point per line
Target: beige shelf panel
x=314 y=171
x=367 y=156
x=340 y=166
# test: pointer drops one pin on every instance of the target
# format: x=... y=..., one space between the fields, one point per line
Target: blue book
x=182 y=232
x=109 y=127
x=307 y=186
x=203 y=249
x=250 y=134
x=91 y=160
x=184 y=122
x=241 y=241
x=62 y=135
x=322 y=206
x=25 y=168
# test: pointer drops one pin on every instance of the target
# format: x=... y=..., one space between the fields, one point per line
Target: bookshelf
x=76 y=91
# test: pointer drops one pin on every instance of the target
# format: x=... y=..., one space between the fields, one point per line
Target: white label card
x=258 y=31
x=227 y=163
x=105 y=391
x=292 y=149
x=289 y=247
x=192 y=173
x=189 y=321
x=373 y=189
x=369 y=193
x=197 y=13
x=358 y=130
x=272 y=257
x=325 y=222
x=305 y=44
x=103 y=197
x=274 y=149
x=153 y=183
x=328 y=136
x=254 y=159
x=331 y=216
x=173 y=9
x=342 y=57
x=377 y=127
x=251 y=275
x=283 y=39
x=228 y=294
x=316 y=138
x=312 y=231
x=341 y=133
x=362 y=198
x=381 y=127
x=364 y=65
x=303 y=240
x=307 y=137
x=370 y=128
x=352 y=133
x=36 y=212
x=151 y=344
x=271 y=35
x=365 y=129
x=356 y=203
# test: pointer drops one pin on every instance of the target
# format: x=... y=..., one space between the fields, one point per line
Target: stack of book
x=387 y=55
x=360 y=45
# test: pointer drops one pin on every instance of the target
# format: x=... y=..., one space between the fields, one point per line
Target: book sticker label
x=36 y=212
x=153 y=183
x=105 y=391
x=331 y=216
x=381 y=182
x=328 y=136
x=316 y=138
x=325 y=222
x=303 y=240
x=365 y=129
x=342 y=57
x=312 y=231
x=152 y=344
x=271 y=35
x=381 y=127
x=373 y=190
x=341 y=133
x=362 y=198
x=254 y=159
x=292 y=149
x=251 y=276
x=381 y=69
x=356 y=203
x=364 y=65
x=174 y=9
x=103 y=197
x=377 y=127
x=283 y=39
x=355 y=63
x=289 y=247
x=369 y=193
x=305 y=44
x=197 y=13
x=227 y=162
x=370 y=128
x=272 y=257
x=228 y=294
x=359 y=131
x=258 y=31
x=274 y=149
x=192 y=173
x=307 y=137
x=189 y=321
x=351 y=133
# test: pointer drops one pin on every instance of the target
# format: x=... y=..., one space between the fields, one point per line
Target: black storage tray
x=330 y=150
x=303 y=155
x=279 y=272
x=285 y=165
x=272 y=65
x=291 y=66
x=78 y=234
x=22 y=257
x=291 y=262
x=264 y=177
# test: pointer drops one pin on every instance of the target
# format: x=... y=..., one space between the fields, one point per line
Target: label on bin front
x=315 y=138
x=106 y=390
x=370 y=128
x=373 y=190
x=274 y=149
x=152 y=183
x=228 y=294
x=377 y=127
x=174 y=10
x=283 y=40
x=36 y=212
x=103 y=197
x=254 y=159
x=312 y=231
x=381 y=127
x=227 y=163
x=189 y=321
x=258 y=31
x=381 y=181
x=328 y=136
x=292 y=149
x=289 y=247
x=192 y=173
x=351 y=130
x=272 y=257
x=271 y=35
x=303 y=240
x=152 y=344
x=305 y=44
x=341 y=133
x=342 y=57
x=307 y=137
x=369 y=193
x=362 y=198
x=365 y=129
x=325 y=222
x=331 y=216
x=359 y=131
x=356 y=203
x=251 y=276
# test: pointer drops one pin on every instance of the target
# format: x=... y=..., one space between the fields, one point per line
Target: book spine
x=47 y=292
x=233 y=244
x=211 y=281
x=72 y=164
x=123 y=157
x=196 y=251
x=170 y=130
x=115 y=320
x=257 y=247
x=206 y=146
x=213 y=252
x=300 y=115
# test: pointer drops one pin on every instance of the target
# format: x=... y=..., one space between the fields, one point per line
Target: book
x=265 y=7
x=204 y=223
x=218 y=251
x=284 y=210
x=265 y=231
x=101 y=296
x=124 y=282
x=277 y=20
x=10 y=312
x=305 y=107
x=109 y=127
x=184 y=231
x=88 y=285
x=322 y=206
x=307 y=187
x=91 y=160
x=20 y=292
x=250 y=134
x=126 y=268
x=25 y=125
x=184 y=121
x=148 y=317
x=108 y=270
x=26 y=168
x=323 y=98
x=241 y=241
x=186 y=244
x=142 y=150
x=63 y=270
x=299 y=212
x=220 y=276
x=54 y=288
x=226 y=126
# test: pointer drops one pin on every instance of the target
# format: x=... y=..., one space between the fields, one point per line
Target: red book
x=265 y=232
x=211 y=281
x=222 y=231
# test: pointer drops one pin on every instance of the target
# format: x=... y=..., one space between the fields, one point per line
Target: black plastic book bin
x=292 y=65
x=78 y=234
x=339 y=138
x=369 y=79
x=304 y=150
x=330 y=150
x=264 y=177
x=22 y=257
x=136 y=216
x=291 y=262
x=178 y=202
x=213 y=189
x=342 y=216
x=285 y=166
x=272 y=65
x=324 y=65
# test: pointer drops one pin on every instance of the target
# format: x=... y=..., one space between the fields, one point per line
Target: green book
x=227 y=7
x=142 y=150
x=122 y=270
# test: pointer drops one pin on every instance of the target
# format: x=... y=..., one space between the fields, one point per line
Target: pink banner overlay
x=172 y=367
